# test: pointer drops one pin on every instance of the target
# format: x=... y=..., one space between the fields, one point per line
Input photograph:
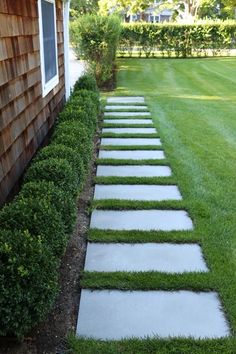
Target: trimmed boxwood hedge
x=63 y=202
x=28 y=281
x=35 y=226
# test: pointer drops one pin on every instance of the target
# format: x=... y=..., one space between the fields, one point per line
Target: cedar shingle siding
x=25 y=117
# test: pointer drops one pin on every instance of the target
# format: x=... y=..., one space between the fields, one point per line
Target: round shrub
x=82 y=144
x=57 y=171
x=28 y=281
x=87 y=82
x=39 y=217
x=63 y=152
x=63 y=202
x=85 y=94
x=81 y=108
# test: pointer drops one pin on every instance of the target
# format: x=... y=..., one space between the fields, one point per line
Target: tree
x=123 y=8
x=82 y=7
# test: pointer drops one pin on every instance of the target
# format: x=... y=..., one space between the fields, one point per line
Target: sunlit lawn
x=193 y=105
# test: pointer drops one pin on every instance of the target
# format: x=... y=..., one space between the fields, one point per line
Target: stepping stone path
x=132 y=154
x=115 y=314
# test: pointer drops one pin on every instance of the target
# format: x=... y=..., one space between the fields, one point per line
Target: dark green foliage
x=179 y=40
x=57 y=170
x=82 y=146
x=34 y=228
x=86 y=82
x=63 y=202
x=39 y=217
x=81 y=107
x=28 y=281
x=95 y=38
x=61 y=151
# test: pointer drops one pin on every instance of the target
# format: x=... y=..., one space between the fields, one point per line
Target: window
x=48 y=45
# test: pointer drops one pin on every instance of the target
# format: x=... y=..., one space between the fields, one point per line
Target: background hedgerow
x=35 y=226
x=177 y=39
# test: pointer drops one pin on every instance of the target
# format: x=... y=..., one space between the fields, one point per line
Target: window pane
x=49 y=40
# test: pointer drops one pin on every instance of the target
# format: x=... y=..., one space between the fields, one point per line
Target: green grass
x=193 y=105
x=161 y=162
x=130 y=135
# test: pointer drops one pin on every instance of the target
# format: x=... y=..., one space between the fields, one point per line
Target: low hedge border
x=35 y=226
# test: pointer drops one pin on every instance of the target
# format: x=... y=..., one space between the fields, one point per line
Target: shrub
x=180 y=40
x=96 y=38
x=57 y=170
x=37 y=216
x=83 y=95
x=82 y=109
x=86 y=82
x=63 y=202
x=28 y=281
x=61 y=151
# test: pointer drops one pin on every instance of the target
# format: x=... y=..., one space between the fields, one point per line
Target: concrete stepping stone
x=127 y=114
x=133 y=171
x=126 y=99
x=130 y=130
x=131 y=141
x=143 y=220
x=162 y=257
x=137 y=192
x=128 y=121
x=114 y=314
x=132 y=154
x=117 y=108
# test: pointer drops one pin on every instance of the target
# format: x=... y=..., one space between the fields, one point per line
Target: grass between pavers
x=135 y=180
x=147 y=281
x=134 y=236
x=112 y=118
x=152 y=346
x=128 y=117
x=130 y=147
x=118 y=125
x=194 y=103
x=130 y=135
x=126 y=110
x=117 y=204
x=116 y=162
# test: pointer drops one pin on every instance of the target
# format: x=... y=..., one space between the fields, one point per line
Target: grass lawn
x=193 y=105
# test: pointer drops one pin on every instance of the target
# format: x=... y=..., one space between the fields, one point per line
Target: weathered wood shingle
x=25 y=117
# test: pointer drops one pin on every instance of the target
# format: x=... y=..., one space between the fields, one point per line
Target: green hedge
x=95 y=39
x=35 y=226
x=178 y=40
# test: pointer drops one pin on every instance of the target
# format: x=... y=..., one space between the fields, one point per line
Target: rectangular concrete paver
x=114 y=314
x=144 y=220
x=129 y=130
x=126 y=99
x=131 y=141
x=127 y=114
x=128 y=121
x=166 y=257
x=132 y=154
x=133 y=171
x=123 y=107
x=137 y=192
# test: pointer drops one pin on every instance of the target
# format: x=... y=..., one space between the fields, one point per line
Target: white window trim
x=47 y=86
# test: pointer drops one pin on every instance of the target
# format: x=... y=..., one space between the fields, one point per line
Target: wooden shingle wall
x=25 y=117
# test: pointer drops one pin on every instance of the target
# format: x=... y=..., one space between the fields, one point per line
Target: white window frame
x=47 y=86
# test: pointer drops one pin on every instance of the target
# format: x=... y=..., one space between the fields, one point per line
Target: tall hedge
x=95 y=39
x=35 y=226
x=179 y=40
